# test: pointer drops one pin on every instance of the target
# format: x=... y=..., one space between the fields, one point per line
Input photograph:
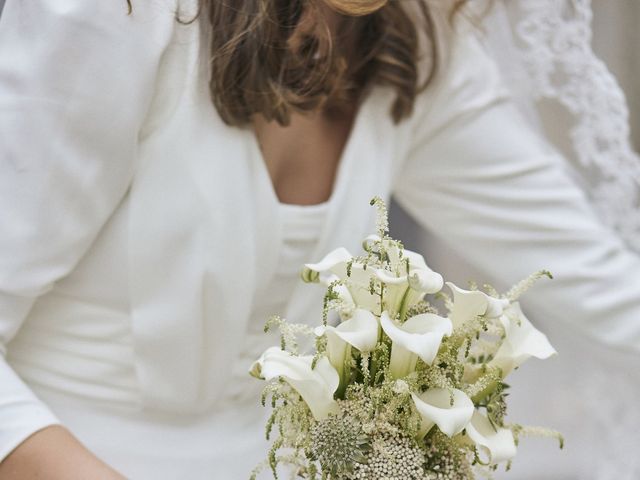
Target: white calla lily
x=406 y=276
x=359 y=285
x=468 y=304
x=422 y=278
x=315 y=385
x=360 y=331
x=343 y=293
x=522 y=341
x=419 y=337
x=435 y=408
x=335 y=262
x=405 y=289
x=497 y=443
x=335 y=266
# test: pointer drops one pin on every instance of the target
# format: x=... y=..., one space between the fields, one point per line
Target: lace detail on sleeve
x=543 y=48
x=553 y=43
x=545 y=54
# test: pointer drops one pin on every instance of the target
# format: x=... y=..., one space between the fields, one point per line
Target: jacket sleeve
x=479 y=179
x=76 y=80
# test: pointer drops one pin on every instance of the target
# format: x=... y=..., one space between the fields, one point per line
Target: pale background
x=553 y=392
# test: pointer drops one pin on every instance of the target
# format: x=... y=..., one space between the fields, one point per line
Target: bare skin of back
x=302 y=158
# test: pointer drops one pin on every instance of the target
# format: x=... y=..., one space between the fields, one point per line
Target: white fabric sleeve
x=76 y=80
x=478 y=178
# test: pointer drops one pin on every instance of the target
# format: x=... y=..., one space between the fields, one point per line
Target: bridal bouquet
x=397 y=389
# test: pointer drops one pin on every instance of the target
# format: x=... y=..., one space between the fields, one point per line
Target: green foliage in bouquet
x=394 y=389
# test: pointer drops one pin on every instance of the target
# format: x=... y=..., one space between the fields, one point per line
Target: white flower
x=406 y=276
x=419 y=337
x=468 y=304
x=400 y=387
x=316 y=386
x=334 y=266
x=405 y=289
x=497 y=443
x=360 y=331
x=335 y=261
x=522 y=341
x=435 y=408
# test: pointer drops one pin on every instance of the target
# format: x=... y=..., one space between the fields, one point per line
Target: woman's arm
x=76 y=81
x=55 y=454
x=482 y=181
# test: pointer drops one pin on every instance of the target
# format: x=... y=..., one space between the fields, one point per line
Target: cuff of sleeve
x=21 y=412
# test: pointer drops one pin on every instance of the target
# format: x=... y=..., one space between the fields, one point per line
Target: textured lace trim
x=555 y=39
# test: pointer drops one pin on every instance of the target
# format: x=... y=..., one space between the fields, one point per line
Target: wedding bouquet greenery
x=395 y=389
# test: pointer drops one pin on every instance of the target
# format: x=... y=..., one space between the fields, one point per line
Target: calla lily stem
x=345 y=374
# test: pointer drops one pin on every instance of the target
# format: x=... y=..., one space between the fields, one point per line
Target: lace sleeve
x=567 y=95
x=577 y=101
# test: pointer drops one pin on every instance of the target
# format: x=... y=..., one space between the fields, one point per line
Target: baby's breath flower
x=446 y=459
x=400 y=387
x=393 y=456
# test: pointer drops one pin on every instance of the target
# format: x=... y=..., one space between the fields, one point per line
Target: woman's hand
x=53 y=453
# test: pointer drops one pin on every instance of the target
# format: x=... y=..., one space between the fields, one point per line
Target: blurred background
x=616 y=40
x=586 y=392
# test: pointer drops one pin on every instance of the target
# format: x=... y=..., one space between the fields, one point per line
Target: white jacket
x=110 y=149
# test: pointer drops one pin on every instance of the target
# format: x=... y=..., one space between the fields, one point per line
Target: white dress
x=139 y=235
x=68 y=358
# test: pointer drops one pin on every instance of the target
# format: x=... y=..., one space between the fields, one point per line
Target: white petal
x=334 y=261
x=389 y=278
x=316 y=386
x=415 y=260
x=421 y=334
x=358 y=284
x=344 y=295
x=397 y=293
x=342 y=291
x=360 y=331
x=421 y=277
x=425 y=280
x=496 y=306
x=369 y=241
x=393 y=252
x=360 y=276
x=435 y=407
x=499 y=444
x=336 y=347
x=467 y=304
x=428 y=323
x=522 y=341
x=402 y=361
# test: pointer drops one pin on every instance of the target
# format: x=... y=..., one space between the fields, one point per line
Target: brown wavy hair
x=276 y=57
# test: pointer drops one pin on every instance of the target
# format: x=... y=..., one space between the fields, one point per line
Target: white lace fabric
x=552 y=61
x=544 y=50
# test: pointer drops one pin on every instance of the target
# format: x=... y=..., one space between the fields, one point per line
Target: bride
x=166 y=167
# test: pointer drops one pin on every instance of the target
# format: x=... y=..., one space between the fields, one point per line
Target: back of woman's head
x=276 y=57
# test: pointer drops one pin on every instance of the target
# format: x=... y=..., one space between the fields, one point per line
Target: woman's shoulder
x=466 y=77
